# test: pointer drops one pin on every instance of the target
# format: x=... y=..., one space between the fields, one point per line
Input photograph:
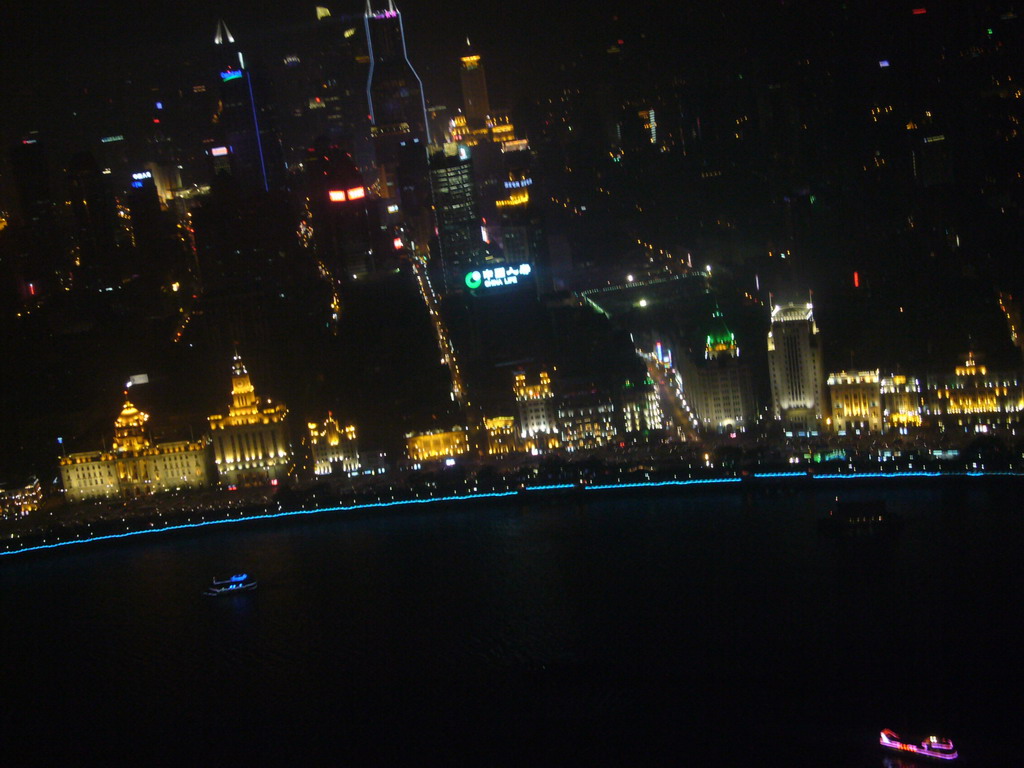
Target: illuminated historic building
x=719 y=385
x=901 y=401
x=856 y=402
x=974 y=398
x=135 y=466
x=640 y=408
x=795 y=368
x=250 y=443
x=437 y=444
x=19 y=502
x=502 y=436
x=586 y=420
x=334 y=448
x=537 y=421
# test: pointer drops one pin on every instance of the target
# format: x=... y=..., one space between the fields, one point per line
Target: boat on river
x=933 y=746
x=229 y=585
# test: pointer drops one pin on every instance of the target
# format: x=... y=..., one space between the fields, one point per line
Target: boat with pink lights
x=933 y=746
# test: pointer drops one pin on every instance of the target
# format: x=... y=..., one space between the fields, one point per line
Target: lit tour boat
x=225 y=585
x=933 y=746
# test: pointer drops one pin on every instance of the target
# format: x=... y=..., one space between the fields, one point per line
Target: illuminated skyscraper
x=398 y=120
x=393 y=90
x=795 y=368
x=457 y=212
x=250 y=443
x=475 y=103
x=252 y=148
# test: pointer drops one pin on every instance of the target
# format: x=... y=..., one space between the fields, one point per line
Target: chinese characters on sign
x=497 y=277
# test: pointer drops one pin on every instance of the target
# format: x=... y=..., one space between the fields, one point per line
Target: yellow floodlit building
x=502 y=436
x=250 y=442
x=135 y=466
x=437 y=444
x=901 y=401
x=334 y=448
x=975 y=398
x=856 y=402
x=19 y=502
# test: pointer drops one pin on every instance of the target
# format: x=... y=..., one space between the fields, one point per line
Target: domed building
x=135 y=466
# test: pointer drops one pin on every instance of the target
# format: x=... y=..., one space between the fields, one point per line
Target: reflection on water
x=543 y=634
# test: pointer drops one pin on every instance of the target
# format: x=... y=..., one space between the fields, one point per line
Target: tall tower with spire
x=250 y=442
x=475 y=102
x=398 y=122
x=247 y=137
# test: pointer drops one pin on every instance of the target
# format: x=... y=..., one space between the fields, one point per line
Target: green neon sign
x=474 y=280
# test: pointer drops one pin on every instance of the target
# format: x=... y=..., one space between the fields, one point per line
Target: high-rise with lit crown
x=250 y=443
x=476 y=104
x=795 y=368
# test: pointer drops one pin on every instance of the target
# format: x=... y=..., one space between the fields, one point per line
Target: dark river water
x=713 y=626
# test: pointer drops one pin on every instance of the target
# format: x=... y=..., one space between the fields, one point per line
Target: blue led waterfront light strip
x=505 y=494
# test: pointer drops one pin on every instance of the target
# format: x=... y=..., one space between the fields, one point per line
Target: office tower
x=317 y=72
x=250 y=442
x=475 y=103
x=245 y=122
x=795 y=368
x=339 y=213
x=520 y=221
x=856 y=402
x=135 y=466
x=460 y=240
x=98 y=230
x=37 y=260
x=718 y=383
x=399 y=127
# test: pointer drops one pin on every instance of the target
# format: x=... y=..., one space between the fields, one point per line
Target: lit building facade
x=457 y=212
x=718 y=385
x=537 y=419
x=795 y=368
x=856 y=402
x=135 y=466
x=250 y=442
x=334 y=448
x=437 y=444
x=974 y=399
x=901 y=401
x=398 y=121
x=20 y=502
x=502 y=436
x=586 y=420
x=640 y=409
